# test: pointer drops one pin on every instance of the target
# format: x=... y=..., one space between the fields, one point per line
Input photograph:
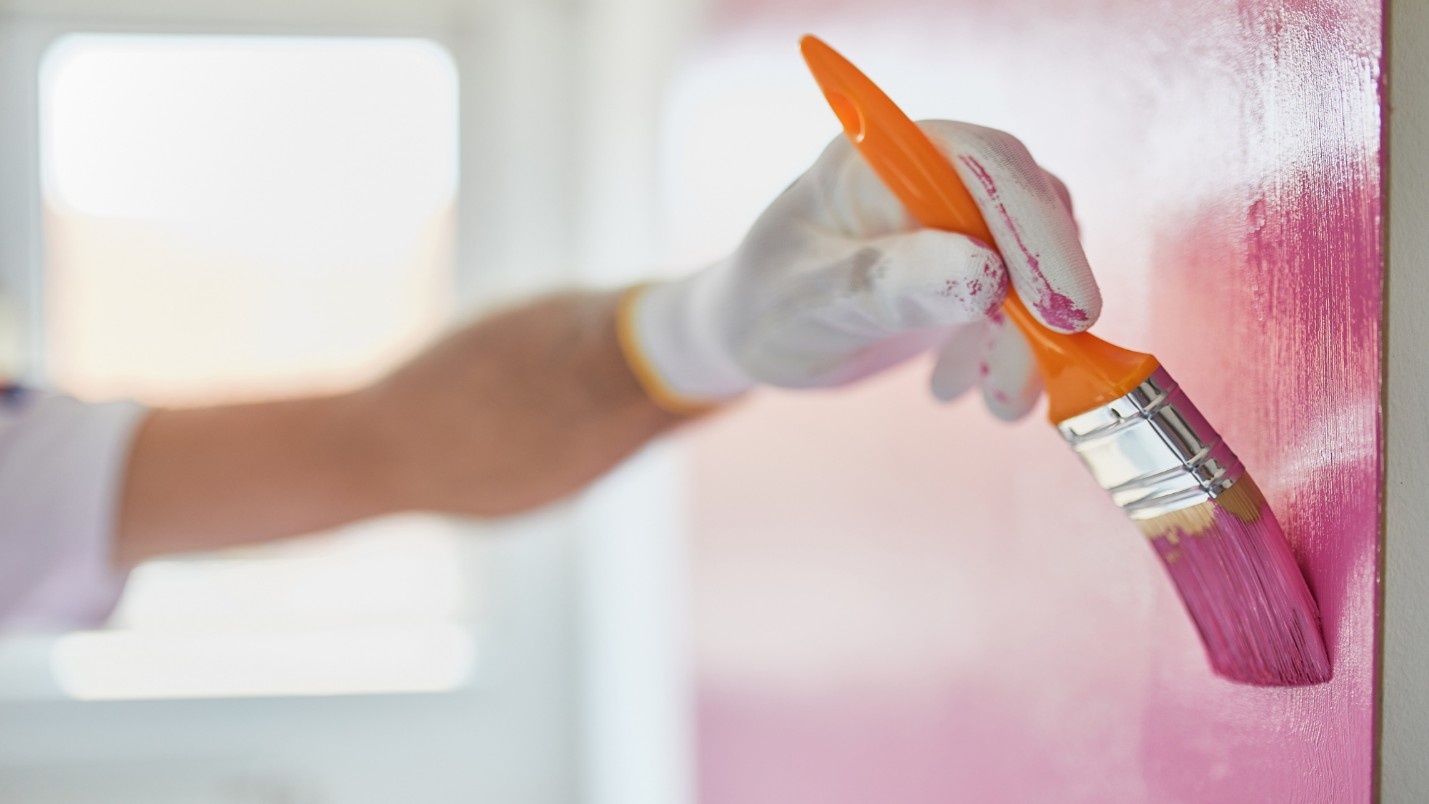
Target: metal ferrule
x=1152 y=450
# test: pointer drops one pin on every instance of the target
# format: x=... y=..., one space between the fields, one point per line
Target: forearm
x=518 y=410
x=205 y=478
x=509 y=413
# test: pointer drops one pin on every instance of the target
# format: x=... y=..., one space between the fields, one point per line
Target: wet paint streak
x=1055 y=309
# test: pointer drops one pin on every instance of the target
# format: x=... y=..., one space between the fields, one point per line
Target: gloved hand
x=835 y=282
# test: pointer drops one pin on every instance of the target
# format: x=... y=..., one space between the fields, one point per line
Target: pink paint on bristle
x=1248 y=598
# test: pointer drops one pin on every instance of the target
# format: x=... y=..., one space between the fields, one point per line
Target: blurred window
x=246 y=217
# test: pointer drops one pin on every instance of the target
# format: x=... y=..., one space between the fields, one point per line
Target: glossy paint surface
x=904 y=602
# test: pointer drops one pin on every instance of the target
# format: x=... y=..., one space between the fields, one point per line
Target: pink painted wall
x=900 y=602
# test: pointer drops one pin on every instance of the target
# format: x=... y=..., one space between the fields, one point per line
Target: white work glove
x=836 y=281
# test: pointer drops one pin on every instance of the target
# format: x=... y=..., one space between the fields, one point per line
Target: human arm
x=513 y=411
x=833 y=283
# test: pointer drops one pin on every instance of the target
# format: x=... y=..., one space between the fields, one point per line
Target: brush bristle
x=1234 y=571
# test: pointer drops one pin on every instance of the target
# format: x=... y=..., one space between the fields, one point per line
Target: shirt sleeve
x=61 y=465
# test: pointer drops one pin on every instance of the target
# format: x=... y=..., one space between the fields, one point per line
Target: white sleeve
x=61 y=465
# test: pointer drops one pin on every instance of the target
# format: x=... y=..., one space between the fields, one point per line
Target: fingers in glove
x=1063 y=193
x=1008 y=372
x=847 y=308
x=925 y=279
x=841 y=195
x=994 y=356
x=959 y=363
x=1030 y=221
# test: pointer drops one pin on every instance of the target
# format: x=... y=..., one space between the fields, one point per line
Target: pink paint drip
x=1248 y=598
x=1056 y=309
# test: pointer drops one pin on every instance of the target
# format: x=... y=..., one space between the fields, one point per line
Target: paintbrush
x=1130 y=423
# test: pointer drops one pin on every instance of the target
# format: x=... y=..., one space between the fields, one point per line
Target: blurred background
x=205 y=200
x=210 y=201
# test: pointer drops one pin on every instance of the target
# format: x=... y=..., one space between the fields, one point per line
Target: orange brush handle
x=1080 y=372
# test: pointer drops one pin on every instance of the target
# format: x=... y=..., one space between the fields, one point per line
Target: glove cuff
x=672 y=346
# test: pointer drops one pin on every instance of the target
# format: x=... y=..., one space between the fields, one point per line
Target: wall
x=896 y=601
